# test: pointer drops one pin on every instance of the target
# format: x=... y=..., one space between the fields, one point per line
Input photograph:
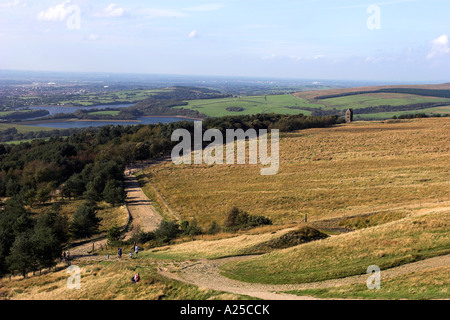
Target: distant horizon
x=236 y=77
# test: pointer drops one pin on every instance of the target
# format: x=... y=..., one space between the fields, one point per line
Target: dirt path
x=142 y=212
x=140 y=207
x=205 y=274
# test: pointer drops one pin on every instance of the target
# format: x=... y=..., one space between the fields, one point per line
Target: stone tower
x=349 y=115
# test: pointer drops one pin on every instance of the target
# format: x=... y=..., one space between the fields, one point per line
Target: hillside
x=379 y=190
x=348 y=169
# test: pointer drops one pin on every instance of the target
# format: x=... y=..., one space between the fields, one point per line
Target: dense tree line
x=12 y=134
x=20 y=115
x=29 y=244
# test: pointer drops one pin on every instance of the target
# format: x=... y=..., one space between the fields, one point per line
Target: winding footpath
x=206 y=274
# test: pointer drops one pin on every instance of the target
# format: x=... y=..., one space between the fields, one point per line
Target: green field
x=377 y=99
x=290 y=104
x=99 y=113
x=429 y=284
x=388 y=115
x=126 y=96
x=282 y=104
x=22 y=128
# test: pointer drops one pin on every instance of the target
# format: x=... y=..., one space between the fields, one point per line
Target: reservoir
x=57 y=124
x=69 y=109
x=67 y=124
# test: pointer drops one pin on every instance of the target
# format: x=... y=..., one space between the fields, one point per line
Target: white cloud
x=193 y=34
x=439 y=47
x=56 y=13
x=111 y=11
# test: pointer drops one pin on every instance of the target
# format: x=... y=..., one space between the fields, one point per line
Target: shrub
x=238 y=219
x=85 y=222
x=190 y=229
x=167 y=231
x=113 y=235
x=213 y=228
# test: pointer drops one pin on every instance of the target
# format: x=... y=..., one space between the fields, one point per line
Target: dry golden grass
x=349 y=169
x=213 y=249
x=105 y=281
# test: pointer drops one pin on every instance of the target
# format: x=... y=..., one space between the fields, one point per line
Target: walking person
x=119 y=253
x=136 y=250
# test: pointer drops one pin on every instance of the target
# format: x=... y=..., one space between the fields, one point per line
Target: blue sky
x=390 y=40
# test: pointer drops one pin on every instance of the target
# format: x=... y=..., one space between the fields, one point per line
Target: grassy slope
x=377 y=99
x=251 y=105
x=429 y=284
x=109 y=113
x=279 y=103
x=389 y=115
x=126 y=96
x=22 y=128
x=107 y=281
x=325 y=173
x=403 y=241
x=235 y=245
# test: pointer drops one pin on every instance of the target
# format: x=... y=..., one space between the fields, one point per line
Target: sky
x=389 y=40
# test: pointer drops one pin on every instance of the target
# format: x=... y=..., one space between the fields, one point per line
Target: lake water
x=61 y=109
x=86 y=124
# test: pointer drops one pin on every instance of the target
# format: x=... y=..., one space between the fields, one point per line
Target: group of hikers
x=136 y=277
x=135 y=249
x=65 y=257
